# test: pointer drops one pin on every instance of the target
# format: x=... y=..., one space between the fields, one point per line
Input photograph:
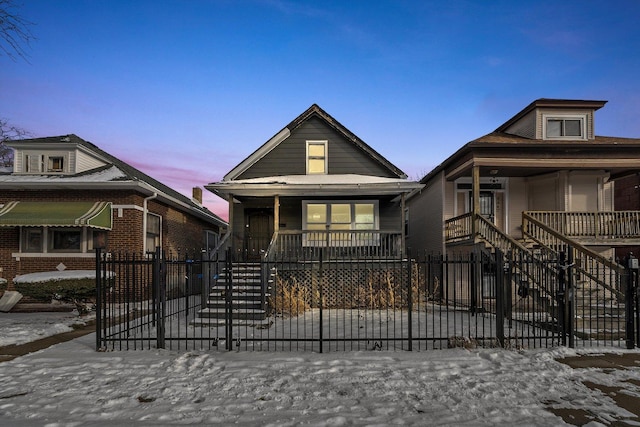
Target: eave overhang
x=329 y=185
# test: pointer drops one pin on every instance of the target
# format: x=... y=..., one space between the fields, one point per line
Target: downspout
x=145 y=210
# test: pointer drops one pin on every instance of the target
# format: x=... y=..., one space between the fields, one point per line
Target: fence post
x=630 y=300
x=571 y=307
x=321 y=302
x=410 y=299
x=228 y=309
x=500 y=297
x=98 y=298
x=160 y=297
x=560 y=297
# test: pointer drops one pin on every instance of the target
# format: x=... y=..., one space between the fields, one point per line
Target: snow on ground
x=72 y=384
x=21 y=328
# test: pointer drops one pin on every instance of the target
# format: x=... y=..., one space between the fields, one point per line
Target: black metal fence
x=469 y=300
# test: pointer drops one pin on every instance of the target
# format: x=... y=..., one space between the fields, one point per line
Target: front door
x=258 y=231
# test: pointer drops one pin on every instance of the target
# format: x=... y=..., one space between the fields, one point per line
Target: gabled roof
x=313 y=111
x=552 y=103
x=116 y=174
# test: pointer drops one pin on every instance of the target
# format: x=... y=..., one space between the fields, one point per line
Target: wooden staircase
x=248 y=299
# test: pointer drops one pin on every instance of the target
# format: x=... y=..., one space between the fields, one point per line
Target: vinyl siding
x=517 y=203
x=525 y=127
x=85 y=162
x=289 y=157
x=426 y=219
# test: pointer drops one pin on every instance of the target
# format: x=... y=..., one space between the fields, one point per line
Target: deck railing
x=308 y=244
x=593 y=225
x=459 y=229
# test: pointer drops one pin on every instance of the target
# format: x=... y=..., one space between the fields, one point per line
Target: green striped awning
x=56 y=214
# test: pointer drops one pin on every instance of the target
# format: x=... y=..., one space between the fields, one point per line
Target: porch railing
x=361 y=244
x=592 y=225
x=459 y=229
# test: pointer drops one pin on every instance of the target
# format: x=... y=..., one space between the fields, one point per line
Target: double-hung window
x=316 y=157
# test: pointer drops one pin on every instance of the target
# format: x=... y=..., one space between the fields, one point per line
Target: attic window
x=55 y=164
x=316 y=157
x=565 y=127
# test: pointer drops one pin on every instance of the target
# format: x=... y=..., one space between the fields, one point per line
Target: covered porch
x=308 y=216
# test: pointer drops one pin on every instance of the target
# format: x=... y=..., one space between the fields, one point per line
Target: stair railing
x=601 y=271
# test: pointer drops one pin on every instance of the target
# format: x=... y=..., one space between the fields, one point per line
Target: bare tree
x=7 y=133
x=14 y=31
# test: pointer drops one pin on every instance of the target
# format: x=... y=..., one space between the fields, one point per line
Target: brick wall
x=180 y=231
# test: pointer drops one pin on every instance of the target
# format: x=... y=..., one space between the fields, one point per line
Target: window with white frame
x=316 y=157
x=565 y=127
x=336 y=217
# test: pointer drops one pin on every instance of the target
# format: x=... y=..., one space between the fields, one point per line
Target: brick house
x=65 y=197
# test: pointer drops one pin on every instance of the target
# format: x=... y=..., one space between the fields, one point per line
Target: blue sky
x=185 y=90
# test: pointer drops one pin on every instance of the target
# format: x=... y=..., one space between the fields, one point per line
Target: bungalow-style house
x=541 y=186
x=314 y=191
x=66 y=197
x=315 y=185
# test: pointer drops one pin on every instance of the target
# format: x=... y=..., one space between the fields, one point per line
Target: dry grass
x=290 y=297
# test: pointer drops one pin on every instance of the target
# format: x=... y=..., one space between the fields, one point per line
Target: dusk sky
x=185 y=90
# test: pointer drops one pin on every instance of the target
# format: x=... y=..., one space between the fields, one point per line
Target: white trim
x=326 y=156
x=258 y=154
x=52 y=255
x=135 y=207
x=583 y=118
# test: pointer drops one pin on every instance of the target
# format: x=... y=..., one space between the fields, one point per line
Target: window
x=153 y=232
x=565 y=127
x=60 y=240
x=99 y=239
x=65 y=239
x=336 y=216
x=316 y=157
x=55 y=164
x=32 y=240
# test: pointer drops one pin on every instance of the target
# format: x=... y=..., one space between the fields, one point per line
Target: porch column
x=276 y=213
x=475 y=198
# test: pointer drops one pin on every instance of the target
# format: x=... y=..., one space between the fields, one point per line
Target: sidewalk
x=10 y=352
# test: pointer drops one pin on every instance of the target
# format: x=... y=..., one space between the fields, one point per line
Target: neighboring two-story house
x=540 y=188
x=67 y=197
x=544 y=165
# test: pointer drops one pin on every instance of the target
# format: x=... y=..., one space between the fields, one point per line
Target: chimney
x=197 y=195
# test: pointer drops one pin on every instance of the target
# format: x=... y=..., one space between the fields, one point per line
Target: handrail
x=497 y=237
x=526 y=218
x=220 y=245
x=580 y=252
x=459 y=228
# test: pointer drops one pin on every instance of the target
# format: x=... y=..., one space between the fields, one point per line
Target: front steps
x=248 y=301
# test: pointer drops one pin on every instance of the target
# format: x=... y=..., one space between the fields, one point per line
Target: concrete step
x=217 y=313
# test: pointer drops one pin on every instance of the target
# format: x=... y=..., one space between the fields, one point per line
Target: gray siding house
x=315 y=186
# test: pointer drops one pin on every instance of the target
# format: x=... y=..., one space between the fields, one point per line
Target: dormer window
x=55 y=164
x=565 y=127
x=316 y=157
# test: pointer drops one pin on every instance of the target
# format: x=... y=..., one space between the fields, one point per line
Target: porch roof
x=314 y=185
x=58 y=214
